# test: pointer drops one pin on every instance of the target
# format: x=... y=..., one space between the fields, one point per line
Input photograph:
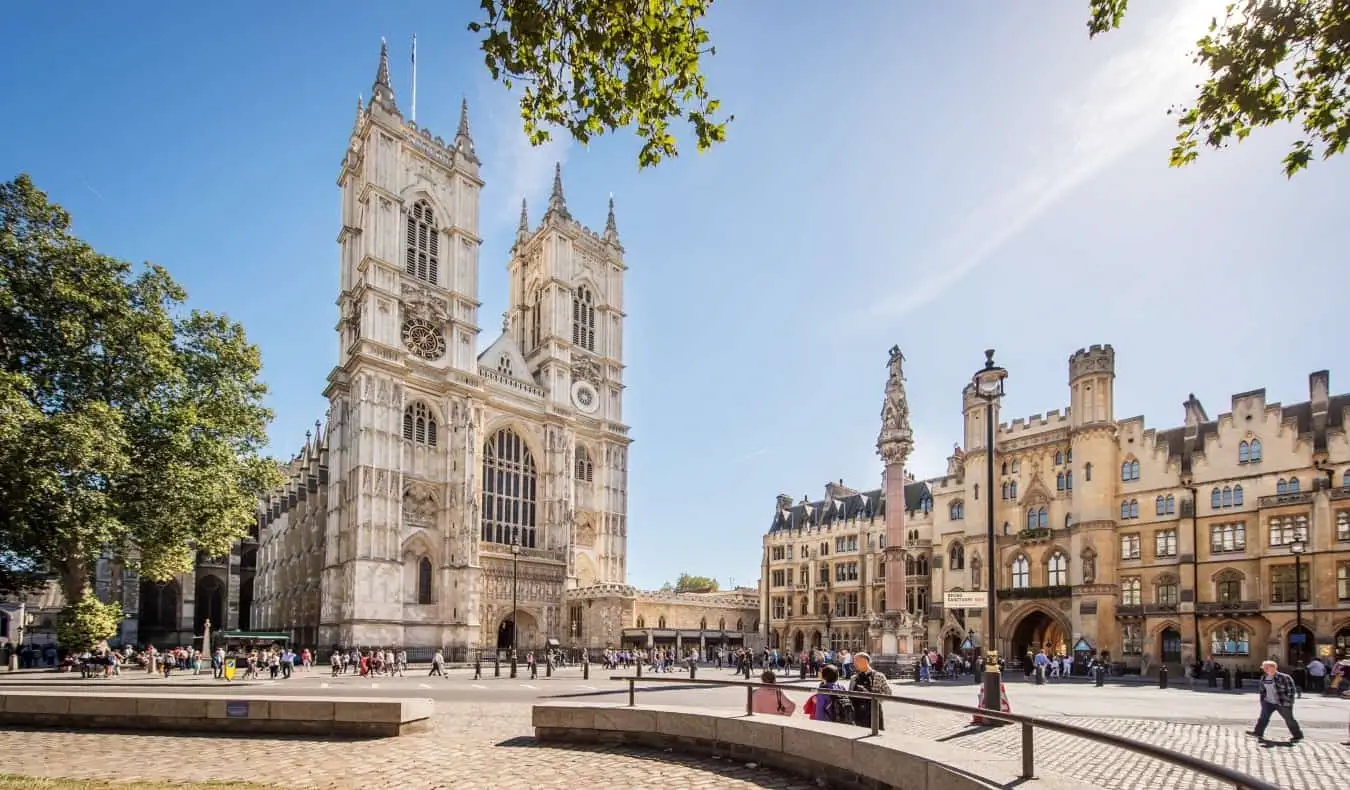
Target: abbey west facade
x=1225 y=537
x=445 y=480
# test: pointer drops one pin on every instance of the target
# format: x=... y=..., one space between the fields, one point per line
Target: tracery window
x=1021 y=573
x=536 y=325
x=423 y=248
x=424 y=581
x=1058 y=570
x=585 y=470
x=509 y=490
x=1131 y=592
x=1231 y=640
x=418 y=424
x=583 y=318
x=956 y=557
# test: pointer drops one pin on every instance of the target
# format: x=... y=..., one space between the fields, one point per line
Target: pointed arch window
x=509 y=490
x=910 y=568
x=1281 y=487
x=1131 y=591
x=1068 y=480
x=1129 y=470
x=585 y=470
x=424 y=581
x=1215 y=499
x=1171 y=504
x=661 y=622
x=1237 y=495
x=1059 y=481
x=536 y=318
x=956 y=557
x=957 y=510
x=1244 y=453
x=1292 y=488
x=418 y=424
x=423 y=250
x=1227 y=498
x=1087 y=472
x=1231 y=640
x=1059 y=459
x=1057 y=570
x=1160 y=506
x=1254 y=450
x=1021 y=573
x=583 y=318
x=641 y=622
x=975 y=568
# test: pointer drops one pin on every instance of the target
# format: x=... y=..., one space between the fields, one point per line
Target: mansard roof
x=852 y=506
x=1183 y=444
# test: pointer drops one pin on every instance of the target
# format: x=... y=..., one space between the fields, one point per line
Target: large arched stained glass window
x=509 y=491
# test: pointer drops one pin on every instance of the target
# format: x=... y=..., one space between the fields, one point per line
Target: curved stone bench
x=840 y=755
x=236 y=714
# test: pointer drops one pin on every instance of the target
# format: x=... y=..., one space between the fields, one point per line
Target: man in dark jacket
x=1277 y=696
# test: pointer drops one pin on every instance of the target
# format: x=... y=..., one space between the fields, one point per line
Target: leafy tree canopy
x=1269 y=61
x=593 y=66
x=127 y=425
x=695 y=584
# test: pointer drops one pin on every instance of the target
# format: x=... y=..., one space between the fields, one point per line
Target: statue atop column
x=896 y=439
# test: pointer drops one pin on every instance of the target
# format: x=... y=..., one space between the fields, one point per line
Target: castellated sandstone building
x=1225 y=537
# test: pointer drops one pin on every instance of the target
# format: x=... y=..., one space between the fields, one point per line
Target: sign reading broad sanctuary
x=963 y=600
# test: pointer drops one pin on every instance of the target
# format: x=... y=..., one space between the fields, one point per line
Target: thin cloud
x=751 y=456
x=514 y=168
x=93 y=191
x=1118 y=109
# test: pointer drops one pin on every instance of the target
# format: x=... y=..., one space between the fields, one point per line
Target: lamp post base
x=993 y=687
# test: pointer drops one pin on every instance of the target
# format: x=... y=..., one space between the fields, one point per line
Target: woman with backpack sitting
x=828 y=707
x=767 y=699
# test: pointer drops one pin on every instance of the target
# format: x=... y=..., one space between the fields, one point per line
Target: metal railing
x=1029 y=724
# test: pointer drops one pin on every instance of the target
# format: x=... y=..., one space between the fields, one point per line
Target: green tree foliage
x=87 y=622
x=1269 y=61
x=127 y=424
x=695 y=584
x=593 y=66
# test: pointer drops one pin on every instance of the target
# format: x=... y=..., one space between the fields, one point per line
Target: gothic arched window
x=536 y=325
x=584 y=470
x=1021 y=573
x=424 y=581
x=956 y=559
x=509 y=490
x=424 y=243
x=1058 y=570
x=583 y=318
x=418 y=424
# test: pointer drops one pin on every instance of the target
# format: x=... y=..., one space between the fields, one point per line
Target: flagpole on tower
x=414 y=78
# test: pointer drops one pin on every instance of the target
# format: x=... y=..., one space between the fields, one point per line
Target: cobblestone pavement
x=477 y=746
x=489 y=746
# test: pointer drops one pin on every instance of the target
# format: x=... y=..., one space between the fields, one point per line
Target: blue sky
x=947 y=177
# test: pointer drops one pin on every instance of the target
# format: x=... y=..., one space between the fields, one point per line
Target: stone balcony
x=1034 y=593
x=1227 y=608
x=1285 y=500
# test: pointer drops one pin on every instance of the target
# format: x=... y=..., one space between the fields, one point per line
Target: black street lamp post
x=988 y=385
x=1298 y=547
x=515 y=561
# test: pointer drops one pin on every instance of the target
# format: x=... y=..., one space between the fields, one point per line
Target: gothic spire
x=382 y=92
x=612 y=228
x=360 y=113
x=523 y=229
x=463 y=139
x=557 y=204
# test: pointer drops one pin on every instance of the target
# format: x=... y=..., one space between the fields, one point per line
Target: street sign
x=963 y=600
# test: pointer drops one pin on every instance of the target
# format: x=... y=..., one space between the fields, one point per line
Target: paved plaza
x=482 y=738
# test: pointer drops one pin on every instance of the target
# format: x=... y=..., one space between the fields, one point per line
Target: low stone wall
x=836 y=755
x=200 y=713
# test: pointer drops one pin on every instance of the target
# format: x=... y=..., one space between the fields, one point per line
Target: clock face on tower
x=585 y=397
x=423 y=339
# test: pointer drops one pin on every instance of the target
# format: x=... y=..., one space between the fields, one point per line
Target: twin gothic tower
x=446 y=467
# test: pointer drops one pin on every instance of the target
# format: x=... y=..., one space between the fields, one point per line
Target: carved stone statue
x=1089 y=567
x=896 y=439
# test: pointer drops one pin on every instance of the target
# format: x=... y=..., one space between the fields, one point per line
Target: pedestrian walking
x=1277 y=696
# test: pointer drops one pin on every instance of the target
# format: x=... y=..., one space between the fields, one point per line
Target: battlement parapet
x=1036 y=423
x=1093 y=360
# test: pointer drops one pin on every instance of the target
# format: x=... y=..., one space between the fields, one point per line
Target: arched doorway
x=1038 y=630
x=158 y=616
x=951 y=643
x=1170 y=641
x=798 y=642
x=210 y=604
x=526 y=631
x=816 y=640
x=1299 y=645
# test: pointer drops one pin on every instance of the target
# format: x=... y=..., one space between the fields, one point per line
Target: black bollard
x=585 y=669
x=693 y=670
x=639 y=667
x=1227 y=680
x=746 y=670
x=514 y=667
x=1101 y=676
x=478 y=668
x=497 y=666
x=548 y=668
x=1162 y=676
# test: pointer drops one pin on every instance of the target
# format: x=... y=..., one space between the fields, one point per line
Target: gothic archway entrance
x=1170 y=640
x=1299 y=645
x=798 y=642
x=816 y=640
x=504 y=633
x=1038 y=630
x=526 y=631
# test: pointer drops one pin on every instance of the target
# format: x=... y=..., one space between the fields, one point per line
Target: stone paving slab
x=490 y=746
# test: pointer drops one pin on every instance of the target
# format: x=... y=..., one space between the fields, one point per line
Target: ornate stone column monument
x=894 y=445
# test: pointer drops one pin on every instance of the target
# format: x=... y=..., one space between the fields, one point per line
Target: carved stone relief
x=419 y=503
